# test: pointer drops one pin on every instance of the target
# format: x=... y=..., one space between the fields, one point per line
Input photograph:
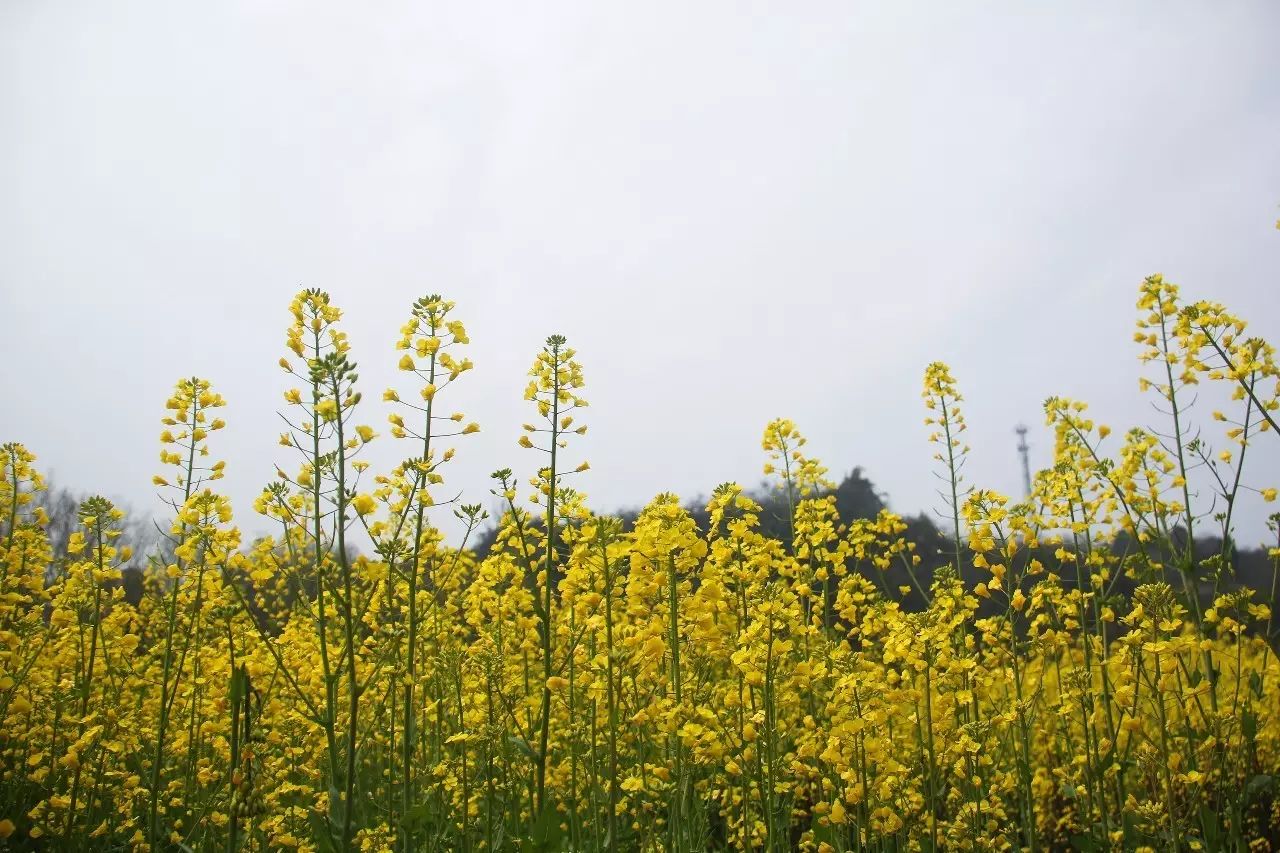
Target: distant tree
x=857 y=497
x=62 y=505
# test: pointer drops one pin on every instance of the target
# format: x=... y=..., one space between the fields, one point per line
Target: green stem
x=544 y=734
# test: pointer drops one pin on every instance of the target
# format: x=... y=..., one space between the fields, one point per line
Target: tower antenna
x=1021 y=430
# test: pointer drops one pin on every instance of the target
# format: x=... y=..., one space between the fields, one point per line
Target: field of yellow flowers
x=1078 y=677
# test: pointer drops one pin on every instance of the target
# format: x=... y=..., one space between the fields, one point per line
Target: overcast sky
x=735 y=211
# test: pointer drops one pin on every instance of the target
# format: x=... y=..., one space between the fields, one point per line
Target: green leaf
x=336 y=812
x=1084 y=842
x=322 y=833
x=522 y=745
x=830 y=833
x=1249 y=725
x=545 y=835
x=1209 y=823
x=1257 y=786
x=416 y=817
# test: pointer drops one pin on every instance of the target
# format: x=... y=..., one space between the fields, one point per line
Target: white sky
x=734 y=210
